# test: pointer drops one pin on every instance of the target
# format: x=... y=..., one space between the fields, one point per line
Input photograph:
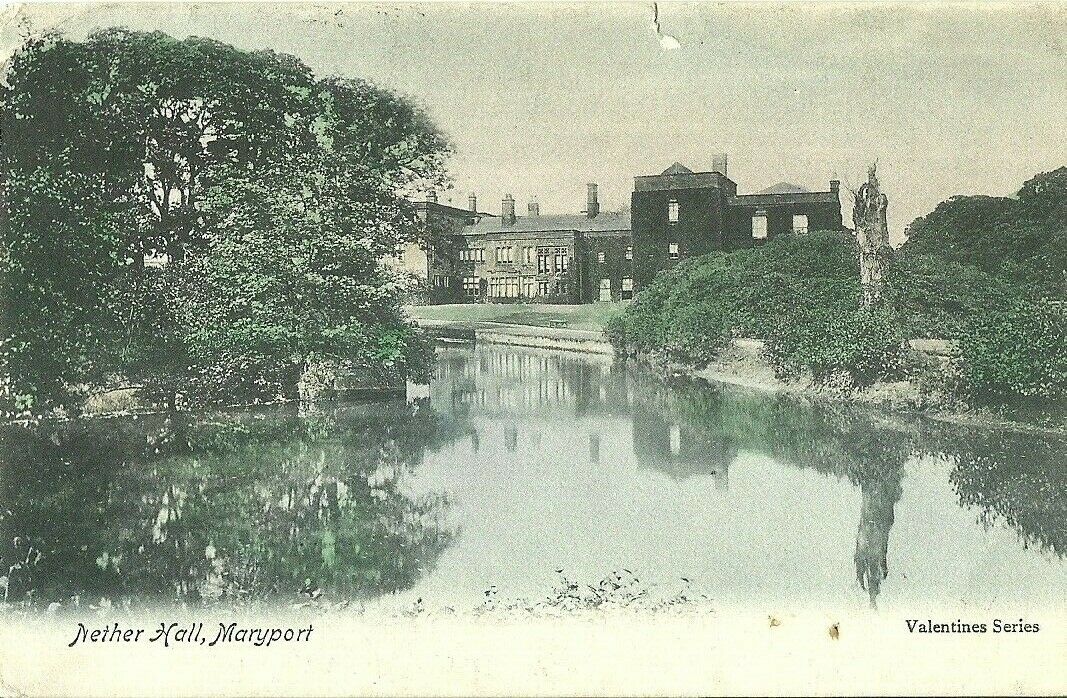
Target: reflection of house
x=679 y=450
x=600 y=255
x=518 y=381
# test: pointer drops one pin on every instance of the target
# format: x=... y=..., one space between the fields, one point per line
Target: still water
x=523 y=462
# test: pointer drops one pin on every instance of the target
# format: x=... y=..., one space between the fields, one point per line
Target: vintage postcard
x=531 y=348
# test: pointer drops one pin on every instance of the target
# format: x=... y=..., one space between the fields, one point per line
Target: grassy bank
x=592 y=316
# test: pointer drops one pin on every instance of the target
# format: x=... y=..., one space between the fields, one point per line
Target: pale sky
x=540 y=99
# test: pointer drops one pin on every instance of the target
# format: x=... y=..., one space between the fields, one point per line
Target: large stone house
x=600 y=255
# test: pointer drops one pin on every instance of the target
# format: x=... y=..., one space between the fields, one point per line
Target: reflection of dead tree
x=872 y=234
x=880 y=497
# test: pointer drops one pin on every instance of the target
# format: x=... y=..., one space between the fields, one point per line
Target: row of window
x=476 y=254
x=759 y=225
x=601 y=257
x=529 y=287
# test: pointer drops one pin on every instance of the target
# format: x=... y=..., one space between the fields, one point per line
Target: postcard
x=615 y=348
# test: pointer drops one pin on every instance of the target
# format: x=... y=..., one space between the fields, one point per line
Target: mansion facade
x=600 y=255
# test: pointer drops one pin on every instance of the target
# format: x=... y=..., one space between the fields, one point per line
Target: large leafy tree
x=132 y=144
x=1022 y=240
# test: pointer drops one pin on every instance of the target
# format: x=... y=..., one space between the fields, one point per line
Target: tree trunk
x=872 y=234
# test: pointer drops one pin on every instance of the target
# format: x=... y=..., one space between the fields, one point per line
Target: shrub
x=934 y=296
x=1019 y=353
x=860 y=344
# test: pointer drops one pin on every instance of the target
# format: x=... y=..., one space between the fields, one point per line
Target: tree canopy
x=1022 y=240
x=271 y=193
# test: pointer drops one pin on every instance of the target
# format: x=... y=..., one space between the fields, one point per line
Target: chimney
x=534 y=209
x=718 y=164
x=507 y=210
x=472 y=203
x=592 y=206
x=431 y=197
x=835 y=185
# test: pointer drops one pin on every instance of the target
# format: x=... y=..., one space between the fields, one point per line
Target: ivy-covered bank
x=801 y=295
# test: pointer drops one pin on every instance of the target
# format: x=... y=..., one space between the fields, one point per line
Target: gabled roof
x=677 y=169
x=605 y=221
x=784 y=188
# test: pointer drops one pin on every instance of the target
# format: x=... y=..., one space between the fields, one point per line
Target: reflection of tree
x=716 y=422
x=252 y=505
x=1016 y=477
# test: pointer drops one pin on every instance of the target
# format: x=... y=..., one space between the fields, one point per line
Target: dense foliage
x=800 y=293
x=271 y=194
x=1021 y=240
x=974 y=271
x=1020 y=352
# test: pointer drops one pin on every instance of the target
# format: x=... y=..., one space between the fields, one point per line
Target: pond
x=522 y=465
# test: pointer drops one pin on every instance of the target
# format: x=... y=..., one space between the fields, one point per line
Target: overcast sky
x=539 y=99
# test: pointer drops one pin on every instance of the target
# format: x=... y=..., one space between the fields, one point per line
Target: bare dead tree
x=872 y=234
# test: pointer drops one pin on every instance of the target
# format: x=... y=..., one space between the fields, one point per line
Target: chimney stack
x=835 y=185
x=534 y=208
x=507 y=210
x=431 y=197
x=718 y=164
x=472 y=203
x=592 y=206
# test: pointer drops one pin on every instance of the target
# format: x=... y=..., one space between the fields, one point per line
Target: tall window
x=605 y=289
x=542 y=288
x=481 y=254
x=470 y=285
x=544 y=260
x=672 y=211
x=759 y=226
x=627 y=288
x=629 y=252
x=600 y=257
x=561 y=259
x=800 y=224
x=527 y=255
x=527 y=286
x=672 y=251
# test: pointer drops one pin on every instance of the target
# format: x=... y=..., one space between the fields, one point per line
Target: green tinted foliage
x=1021 y=240
x=799 y=292
x=935 y=297
x=130 y=144
x=1016 y=353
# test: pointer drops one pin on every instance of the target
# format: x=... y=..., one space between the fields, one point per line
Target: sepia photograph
x=533 y=348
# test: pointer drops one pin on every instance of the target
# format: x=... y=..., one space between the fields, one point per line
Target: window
x=528 y=286
x=676 y=438
x=672 y=211
x=481 y=254
x=600 y=257
x=527 y=255
x=605 y=289
x=503 y=255
x=672 y=250
x=544 y=256
x=627 y=288
x=470 y=285
x=759 y=226
x=561 y=259
x=800 y=224
x=542 y=288
x=561 y=287
x=629 y=252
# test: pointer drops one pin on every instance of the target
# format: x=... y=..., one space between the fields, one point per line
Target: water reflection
x=554 y=457
x=688 y=429
x=248 y=505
